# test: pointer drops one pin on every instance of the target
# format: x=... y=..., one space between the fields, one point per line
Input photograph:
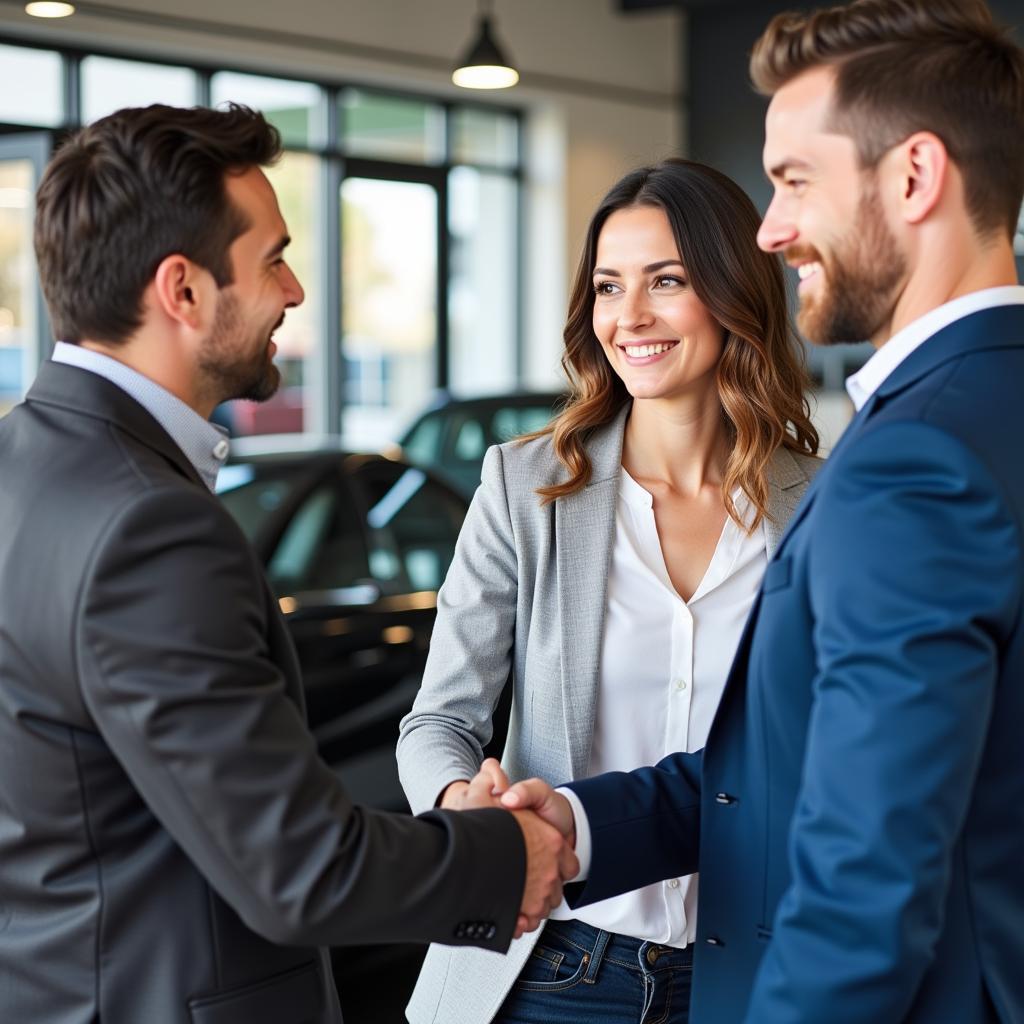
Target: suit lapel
x=89 y=394
x=854 y=426
x=584 y=534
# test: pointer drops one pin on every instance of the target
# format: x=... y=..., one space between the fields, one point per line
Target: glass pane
x=416 y=518
x=322 y=547
x=389 y=305
x=392 y=128
x=296 y=180
x=482 y=282
x=484 y=137
x=30 y=87
x=253 y=494
x=17 y=280
x=293 y=107
x=109 y=85
x=518 y=420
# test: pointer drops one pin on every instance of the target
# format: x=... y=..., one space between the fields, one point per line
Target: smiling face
x=828 y=219
x=236 y=359
x=657 y=335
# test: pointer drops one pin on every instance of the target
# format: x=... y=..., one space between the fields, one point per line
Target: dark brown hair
x=902 y=66
x=761 y=377
x=124 y=193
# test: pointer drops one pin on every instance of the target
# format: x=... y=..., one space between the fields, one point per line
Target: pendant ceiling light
x=49 y=10
x=484 y=65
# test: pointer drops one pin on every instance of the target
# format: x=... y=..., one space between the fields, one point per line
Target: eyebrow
x=282 y=243
x=649 y=269
x=788 y=164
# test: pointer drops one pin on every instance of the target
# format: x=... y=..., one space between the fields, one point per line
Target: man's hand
x=536 y=795
x=482 y=791
x=549 y=861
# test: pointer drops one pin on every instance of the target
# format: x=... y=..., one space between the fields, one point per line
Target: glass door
x=24 y=330
x=393 y=312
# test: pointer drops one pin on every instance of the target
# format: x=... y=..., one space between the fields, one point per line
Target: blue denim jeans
x=577 y=974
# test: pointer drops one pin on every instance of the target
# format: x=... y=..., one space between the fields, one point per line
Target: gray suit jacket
x=526 y=593
x=172 y=849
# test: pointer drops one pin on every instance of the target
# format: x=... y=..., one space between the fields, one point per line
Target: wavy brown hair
x=761 y=375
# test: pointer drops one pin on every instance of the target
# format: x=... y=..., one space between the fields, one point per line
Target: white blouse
x=664 y=663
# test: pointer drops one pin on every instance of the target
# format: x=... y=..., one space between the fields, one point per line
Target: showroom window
x=404 y=213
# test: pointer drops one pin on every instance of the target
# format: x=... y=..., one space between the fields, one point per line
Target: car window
x=253 y=493
x=514 y=421
x=424 y=443
x=470 y=442
x=411 y=517
x=322 y=547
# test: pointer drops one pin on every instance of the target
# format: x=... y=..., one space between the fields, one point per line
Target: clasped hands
x=548 y=830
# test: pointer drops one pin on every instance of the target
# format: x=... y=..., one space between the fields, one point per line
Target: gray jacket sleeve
x=442 y=737
x=171 y=642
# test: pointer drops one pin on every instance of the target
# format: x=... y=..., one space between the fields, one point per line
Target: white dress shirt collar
x=870 y=377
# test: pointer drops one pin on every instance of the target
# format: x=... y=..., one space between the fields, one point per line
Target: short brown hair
x=125 y=192
x=761 y=376
x=903 y=66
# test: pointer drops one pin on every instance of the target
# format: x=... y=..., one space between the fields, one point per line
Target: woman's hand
x=483 y=790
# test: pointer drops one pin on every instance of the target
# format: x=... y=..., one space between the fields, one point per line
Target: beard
x=860 y=280
x=235 y=361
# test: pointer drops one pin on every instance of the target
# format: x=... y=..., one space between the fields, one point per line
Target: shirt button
x=681 y=685
x=220 y=449
x=673 y=883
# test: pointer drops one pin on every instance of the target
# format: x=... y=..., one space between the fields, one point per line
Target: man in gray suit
x=172 y=849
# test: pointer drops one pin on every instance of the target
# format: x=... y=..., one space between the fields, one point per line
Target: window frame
x=324 y=410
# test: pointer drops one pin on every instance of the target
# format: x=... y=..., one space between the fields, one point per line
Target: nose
x=635 y=310
x=293 y=291
x=777 y=229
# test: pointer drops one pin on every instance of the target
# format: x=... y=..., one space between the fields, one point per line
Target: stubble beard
x=236 y=366
x=860 y=281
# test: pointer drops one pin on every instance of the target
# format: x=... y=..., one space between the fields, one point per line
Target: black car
x=452 y=435
x=355 y=547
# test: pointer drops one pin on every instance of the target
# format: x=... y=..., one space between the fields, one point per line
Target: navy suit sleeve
x=644 y=826
x=913 y=591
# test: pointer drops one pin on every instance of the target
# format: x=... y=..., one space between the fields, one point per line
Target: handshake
x=548 y=830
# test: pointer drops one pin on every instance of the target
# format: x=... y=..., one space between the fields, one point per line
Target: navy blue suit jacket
x=857 y=815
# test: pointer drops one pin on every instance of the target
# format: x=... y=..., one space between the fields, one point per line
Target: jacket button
x=491 y=932
x=725 y=798
x=460 y=930
x=713 y=940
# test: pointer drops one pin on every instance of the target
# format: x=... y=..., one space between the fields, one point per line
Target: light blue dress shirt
x=204 y=444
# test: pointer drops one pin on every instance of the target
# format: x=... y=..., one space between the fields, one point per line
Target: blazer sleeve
x=442 y=738
x=172 y=652
x=913 y=595
x=644 y=826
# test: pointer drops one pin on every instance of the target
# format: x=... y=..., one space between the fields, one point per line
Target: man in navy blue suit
x=858 y=813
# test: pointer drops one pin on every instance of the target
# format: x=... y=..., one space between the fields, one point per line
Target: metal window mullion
x=332 y=312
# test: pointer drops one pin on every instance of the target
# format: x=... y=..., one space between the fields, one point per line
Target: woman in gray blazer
x=605 y=571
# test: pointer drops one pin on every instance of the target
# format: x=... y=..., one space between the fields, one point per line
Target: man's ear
x=183 y=291
x=921 y=165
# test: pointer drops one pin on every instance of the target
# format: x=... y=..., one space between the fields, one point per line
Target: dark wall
x=726 y=116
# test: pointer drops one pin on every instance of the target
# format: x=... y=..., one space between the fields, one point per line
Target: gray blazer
x=526 y=592
x=172 y=849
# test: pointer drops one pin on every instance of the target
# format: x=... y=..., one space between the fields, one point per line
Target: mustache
x=801 y=254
